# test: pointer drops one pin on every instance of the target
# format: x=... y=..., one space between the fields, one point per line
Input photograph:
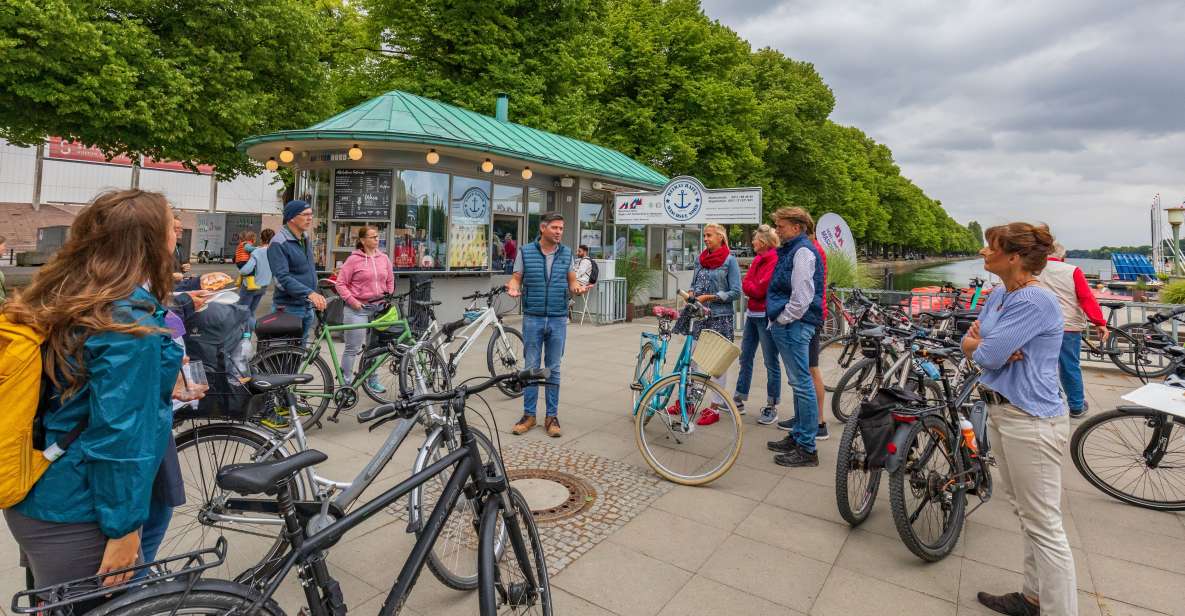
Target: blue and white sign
x=684 y=200
x=475 y=204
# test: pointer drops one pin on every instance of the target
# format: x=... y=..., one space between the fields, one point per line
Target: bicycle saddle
x=872 y=332
x=261 y=383
x=1113 y=305
x=263 y=477
x=424 y=303
x=939 y=315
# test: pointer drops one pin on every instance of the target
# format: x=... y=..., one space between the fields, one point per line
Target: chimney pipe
x=502 y=107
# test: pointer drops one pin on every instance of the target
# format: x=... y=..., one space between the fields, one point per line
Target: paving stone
x=1126 y=543
x=1006 y=550
x=705 y=597
x=1139 y=585
x=622 y=580
x=771 y=573
x=800 y=533
x=707 y=505
x=671 y=538
x=848 y=592
x=890 y=561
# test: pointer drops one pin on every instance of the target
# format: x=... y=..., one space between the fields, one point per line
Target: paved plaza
x=761 y=540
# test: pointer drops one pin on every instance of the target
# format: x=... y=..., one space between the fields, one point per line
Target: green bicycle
x=390 y=335
x=669 y=408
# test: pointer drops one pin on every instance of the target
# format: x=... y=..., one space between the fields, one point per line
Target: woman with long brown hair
x=111 y=363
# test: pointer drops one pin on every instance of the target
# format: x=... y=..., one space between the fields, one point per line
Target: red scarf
x=713 y=259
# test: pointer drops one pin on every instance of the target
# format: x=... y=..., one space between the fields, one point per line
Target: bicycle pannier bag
x=876 y=422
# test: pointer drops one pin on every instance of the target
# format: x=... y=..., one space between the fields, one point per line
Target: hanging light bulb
x=355 y=152
x=271 y=164
x=527 y=173
x=432 y=157
x=487 y=166
x=286 y=156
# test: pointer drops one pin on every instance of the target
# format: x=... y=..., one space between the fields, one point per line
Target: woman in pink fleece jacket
x=363 y=280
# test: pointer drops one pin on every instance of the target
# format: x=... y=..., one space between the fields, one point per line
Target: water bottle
x=968 y=435
x=931 y=370
x=243 y=357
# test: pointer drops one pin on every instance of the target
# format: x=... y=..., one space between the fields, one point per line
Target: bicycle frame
x=470 y=333
x=682 y=368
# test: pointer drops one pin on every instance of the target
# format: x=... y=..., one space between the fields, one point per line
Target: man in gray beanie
x=293 y=268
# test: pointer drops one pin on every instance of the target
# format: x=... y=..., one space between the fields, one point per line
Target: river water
x=961 y=272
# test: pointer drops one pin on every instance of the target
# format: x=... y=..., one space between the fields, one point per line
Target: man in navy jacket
x=294 y=270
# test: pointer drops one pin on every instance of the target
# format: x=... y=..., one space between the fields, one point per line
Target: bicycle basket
x=713 y=353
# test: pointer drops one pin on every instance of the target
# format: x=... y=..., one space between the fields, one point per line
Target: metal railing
x=605 y=303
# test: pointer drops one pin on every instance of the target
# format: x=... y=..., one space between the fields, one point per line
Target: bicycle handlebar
x=1161 y=317
x=405 y=407
x=493 y=292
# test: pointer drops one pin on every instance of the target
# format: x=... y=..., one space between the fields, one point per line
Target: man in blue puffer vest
x=544 y=275
x=794 y=309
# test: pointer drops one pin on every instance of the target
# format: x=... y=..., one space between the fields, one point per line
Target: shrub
x=845 y=272
x=637 y=276
x=1173 y=293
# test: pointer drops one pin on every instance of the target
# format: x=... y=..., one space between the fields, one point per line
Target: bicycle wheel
x=212 y=597
x=517 y=583
x=312 y=398
x=453 y=559
x=835 y=324
x=387 y=376
x=643 y=368
x=835 y=357
x=1111 y=450
x=856 y=485
x=1128 y=350
x=684 y=452
x=856 y=385
x=926 y=492
x=201 y=451
x=423 y=370
x=505 y=355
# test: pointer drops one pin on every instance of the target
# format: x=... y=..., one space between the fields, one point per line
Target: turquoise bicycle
x=668 y=407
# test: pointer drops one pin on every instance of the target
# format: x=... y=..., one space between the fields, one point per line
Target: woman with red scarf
x=716 y=284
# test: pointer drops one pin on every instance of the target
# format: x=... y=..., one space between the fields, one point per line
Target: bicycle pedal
x=636 y=386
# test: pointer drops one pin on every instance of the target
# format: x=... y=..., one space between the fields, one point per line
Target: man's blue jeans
x=756 y=332
x=543 y=341
x=793 y=342
x=304 y=311
x=153 y=532
x=1070 y=369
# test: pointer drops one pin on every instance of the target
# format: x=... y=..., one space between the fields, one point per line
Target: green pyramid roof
x=401 y=117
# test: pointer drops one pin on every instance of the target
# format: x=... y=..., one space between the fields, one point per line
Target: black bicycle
x=515 y=584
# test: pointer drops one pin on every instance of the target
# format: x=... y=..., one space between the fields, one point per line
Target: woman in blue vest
x=716 y=284
x=544 y=275
x=794 y=308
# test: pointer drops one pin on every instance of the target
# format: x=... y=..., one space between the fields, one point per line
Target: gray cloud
x=1065 y=111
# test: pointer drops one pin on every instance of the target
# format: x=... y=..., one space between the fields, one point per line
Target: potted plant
x=1140 y=290
x=637 y=277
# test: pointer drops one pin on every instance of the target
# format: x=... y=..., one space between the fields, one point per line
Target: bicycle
x=518 y=583
x=1136 y=454
x=932 y=466
x=677 y=398
x=389 y=329
x=908 y=369
x=256 y=522
x=1132 y=347
x=504 y=352
x=870 y=314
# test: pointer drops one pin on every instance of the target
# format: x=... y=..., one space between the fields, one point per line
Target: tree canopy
x=655 y=79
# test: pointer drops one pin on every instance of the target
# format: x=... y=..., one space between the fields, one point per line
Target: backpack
x=26 y=395
x=594 y=273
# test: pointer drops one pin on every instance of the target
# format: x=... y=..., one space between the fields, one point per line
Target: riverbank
x=901 y=266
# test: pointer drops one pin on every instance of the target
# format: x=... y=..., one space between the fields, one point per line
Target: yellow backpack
x=25 y=398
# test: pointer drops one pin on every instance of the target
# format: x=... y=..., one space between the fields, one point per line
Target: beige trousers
x=1029 y=452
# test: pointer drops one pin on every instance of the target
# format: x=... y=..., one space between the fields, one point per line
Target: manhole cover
x=552 y=495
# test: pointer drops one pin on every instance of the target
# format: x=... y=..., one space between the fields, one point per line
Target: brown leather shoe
x=524 y=424
x=553 y=427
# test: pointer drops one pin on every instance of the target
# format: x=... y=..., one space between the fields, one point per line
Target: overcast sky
x=1070 y=112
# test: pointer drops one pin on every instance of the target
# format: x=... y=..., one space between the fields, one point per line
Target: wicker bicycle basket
x=713 y=353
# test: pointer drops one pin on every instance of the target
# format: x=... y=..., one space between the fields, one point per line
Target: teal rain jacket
x=106 y=475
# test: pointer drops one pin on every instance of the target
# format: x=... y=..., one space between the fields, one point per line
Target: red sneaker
x=674 y=409
x=708 y=417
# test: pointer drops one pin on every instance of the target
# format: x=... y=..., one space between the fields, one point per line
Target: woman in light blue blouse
x=1016 y=341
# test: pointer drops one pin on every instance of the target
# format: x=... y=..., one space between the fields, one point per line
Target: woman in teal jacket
x=112 y=364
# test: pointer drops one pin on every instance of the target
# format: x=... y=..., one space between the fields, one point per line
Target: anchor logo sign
x=682 y=200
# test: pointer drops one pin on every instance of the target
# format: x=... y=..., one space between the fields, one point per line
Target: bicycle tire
x=423 y=362
x=222 y=444
x=1093 y=424
x=831 y=377
x=952 y=523
x=208 y=597
x=504 y=588
x=853 y=387
x=732 y=417
x=502 y=359
x=642 y=369
x=1128 y=359
x=851 y=458
x=444 y=567
x=290 y=359
x=389 y=380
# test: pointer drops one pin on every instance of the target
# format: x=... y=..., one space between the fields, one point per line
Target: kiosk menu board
x=362 y=194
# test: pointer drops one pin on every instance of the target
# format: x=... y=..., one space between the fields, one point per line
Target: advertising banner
x=685 y=201
x=833 y=233
x=60 y=149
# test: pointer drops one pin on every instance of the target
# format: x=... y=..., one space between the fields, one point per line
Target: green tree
x=184 y=81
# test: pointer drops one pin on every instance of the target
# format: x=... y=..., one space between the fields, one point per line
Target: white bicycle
x=504 y=352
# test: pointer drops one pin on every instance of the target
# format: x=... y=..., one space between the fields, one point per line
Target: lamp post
x=1176 y=217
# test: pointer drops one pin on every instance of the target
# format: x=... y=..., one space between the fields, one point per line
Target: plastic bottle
x=243 y=357
x=968 y=435
x=931 y=370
